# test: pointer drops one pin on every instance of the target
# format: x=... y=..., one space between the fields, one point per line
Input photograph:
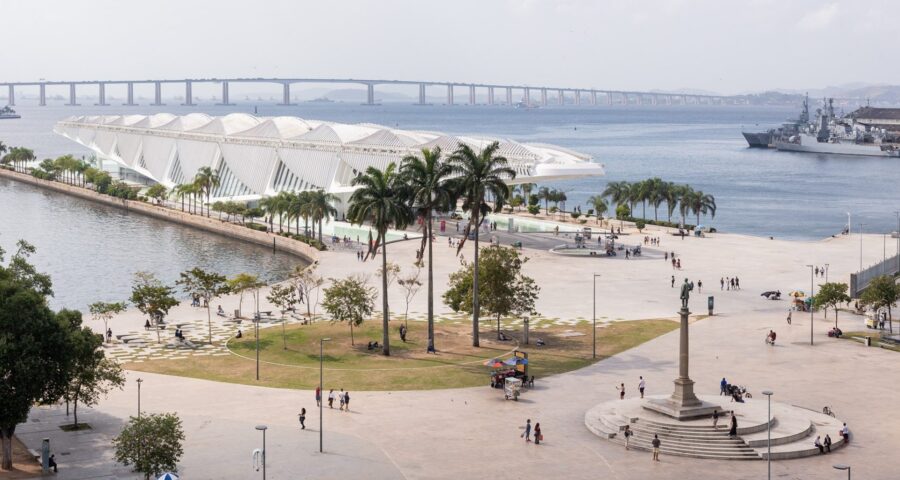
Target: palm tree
x=479 y=174
x=297 y=209
x=179 y=192
x=320 y=207
x=381 y=199
x=526 y=189
x=700 y=203
x=672 y=193
x=617 y=192
x=429 y=190
x=545 y=194
x=599 y=204
x=208 y=180
x=3 y=148
x=655 y=194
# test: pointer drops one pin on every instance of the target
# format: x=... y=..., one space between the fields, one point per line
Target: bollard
x=868 y=341
x=45 y=455
x=709 y=304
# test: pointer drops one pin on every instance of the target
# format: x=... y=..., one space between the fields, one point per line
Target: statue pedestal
x=683 y=403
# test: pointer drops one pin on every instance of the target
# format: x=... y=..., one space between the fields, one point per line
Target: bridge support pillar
x=450 y=94
x=509 y=96
x=593 y=98
x=471 y=94
x=188 y=94
x=527 y=96
x=12 y=96
x=490 y=95
x=225 y=100
x=157 y=94
x=421 y=94
x=370 y=94
x=609 y=99
x=577 y=97
x=101 y=94
x=561 y=97
x=130 y=95
x=286 y=95
x=43 y=95
x=543 y=97
x=73 y=102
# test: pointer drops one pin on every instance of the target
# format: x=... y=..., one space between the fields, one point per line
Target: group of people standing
x=526 y=434
x=342 y=396
x=654 y=241
x=729 y=283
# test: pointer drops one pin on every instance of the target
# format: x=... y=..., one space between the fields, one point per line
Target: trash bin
x=868 y=341
x=710 y=302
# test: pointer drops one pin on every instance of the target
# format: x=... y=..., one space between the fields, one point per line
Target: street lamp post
x=812 y=293
x=841 y=466
x=321 y=387
x=768 y=394
x=263 y=428
x=594 y=337
x=826 y=273
x=861 y=225
x=139 y=382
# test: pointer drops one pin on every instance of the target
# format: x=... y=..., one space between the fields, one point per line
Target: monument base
x=680 y=411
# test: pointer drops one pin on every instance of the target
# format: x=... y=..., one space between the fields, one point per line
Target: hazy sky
x=718 y=45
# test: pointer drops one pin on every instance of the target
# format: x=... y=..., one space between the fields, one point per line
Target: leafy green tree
x=241 y=284
x=882 y=292
x=831 y=294
x=534 y=209
x=157 y=192
x=152 y=298
x=640 y=225
x=284 y=297
x=599 y=204
x=349 y=300
x=104 y=311
x=152 y=443
x=381 y=198
x=35 y=356
x=208 y=286
x=91 y=374
x=622 y=211
x=479 y=175
x=504 y=288
x=306 y=281
x=411 y=284
x=430 y=190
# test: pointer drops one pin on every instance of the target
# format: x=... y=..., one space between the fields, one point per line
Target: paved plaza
x=474 y=433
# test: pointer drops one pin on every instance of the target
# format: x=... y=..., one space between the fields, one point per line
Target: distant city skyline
x=674 y=45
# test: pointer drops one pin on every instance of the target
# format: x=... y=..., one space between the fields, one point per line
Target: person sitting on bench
x=220 y=312
x=239 y=334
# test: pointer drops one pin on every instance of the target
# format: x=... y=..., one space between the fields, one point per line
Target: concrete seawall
x=212 y=225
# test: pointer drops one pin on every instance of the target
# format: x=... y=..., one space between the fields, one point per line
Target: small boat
x=321 y=100
x=8 y=113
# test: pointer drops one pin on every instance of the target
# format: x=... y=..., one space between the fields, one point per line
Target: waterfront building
x=257 y=156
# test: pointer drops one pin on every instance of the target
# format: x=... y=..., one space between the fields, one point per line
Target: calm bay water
x=758 y=192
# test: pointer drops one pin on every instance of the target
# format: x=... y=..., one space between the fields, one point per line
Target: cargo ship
x=8 y=113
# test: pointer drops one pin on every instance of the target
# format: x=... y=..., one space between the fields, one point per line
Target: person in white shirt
x=641 y=386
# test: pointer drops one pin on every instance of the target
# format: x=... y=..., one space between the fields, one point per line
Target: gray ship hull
x=809 y=144
x=758 y=139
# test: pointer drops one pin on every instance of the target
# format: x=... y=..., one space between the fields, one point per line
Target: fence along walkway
x=860 y=280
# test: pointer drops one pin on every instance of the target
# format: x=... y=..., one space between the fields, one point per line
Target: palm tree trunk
x=430 y=285
x=476 y=307
x=320 y=230
x=385 y=337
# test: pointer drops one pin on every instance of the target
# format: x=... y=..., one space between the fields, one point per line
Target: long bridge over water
x=496 y=93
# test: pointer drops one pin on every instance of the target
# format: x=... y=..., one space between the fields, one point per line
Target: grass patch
x=292 y=361
x=876 y=339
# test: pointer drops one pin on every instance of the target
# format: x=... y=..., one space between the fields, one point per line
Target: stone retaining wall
x=209 y=224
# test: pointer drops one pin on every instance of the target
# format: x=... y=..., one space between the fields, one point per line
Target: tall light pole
x=826 y=273
x=139 y=382
x=841 y=466
x=768 y=394
x=860 y=245
x=897 y=212
x=321 y=387
x=256 y=321
x=263 y=428
x=811 y=295
x=594 y=338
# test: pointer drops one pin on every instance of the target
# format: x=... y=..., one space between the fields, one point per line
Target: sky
x=720 y=46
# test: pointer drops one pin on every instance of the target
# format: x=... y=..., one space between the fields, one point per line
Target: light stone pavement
x=474 y=433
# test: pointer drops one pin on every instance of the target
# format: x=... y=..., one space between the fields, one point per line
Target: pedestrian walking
x=827 y=443
x=699 y=286
x=341 y=399
x=319 y=396
x=723 y=387
x=527 y=433
x=789 y=316
x=656 y=443
x=845 y=432
x=331 y=398
x=347 y=401
x=641 y=385
x=302 y=417
x=715 y=419
x=673 y=281
x=732 y=432
x=628 y=433
x=538 y=436
x=621 y=390
x=721 y=283
x=667 y=256
x=737 y=283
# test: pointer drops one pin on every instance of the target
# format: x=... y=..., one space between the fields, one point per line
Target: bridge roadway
x=576 y=96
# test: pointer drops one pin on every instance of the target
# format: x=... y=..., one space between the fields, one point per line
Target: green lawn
x=292 y=360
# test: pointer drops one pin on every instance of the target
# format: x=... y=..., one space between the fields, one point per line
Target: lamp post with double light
x=594 y=334
x=841 y=466
x=263 y=428
x=321 y=387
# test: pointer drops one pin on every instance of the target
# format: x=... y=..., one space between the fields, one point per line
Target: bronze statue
x=686 y=289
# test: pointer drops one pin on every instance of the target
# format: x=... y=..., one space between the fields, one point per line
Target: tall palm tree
x=617 y=192
x=208 y=180
x=599 y=204
x=269 y=205
x=672 y=193
x=427 y=178
x=479 y=174
x=655 y=194
x=701 y=203
x=179 y=192
x=381 y=199
x=545 y=194
x=321 y=207
x=526 y=189
x=297 y=209
x=3 y=148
